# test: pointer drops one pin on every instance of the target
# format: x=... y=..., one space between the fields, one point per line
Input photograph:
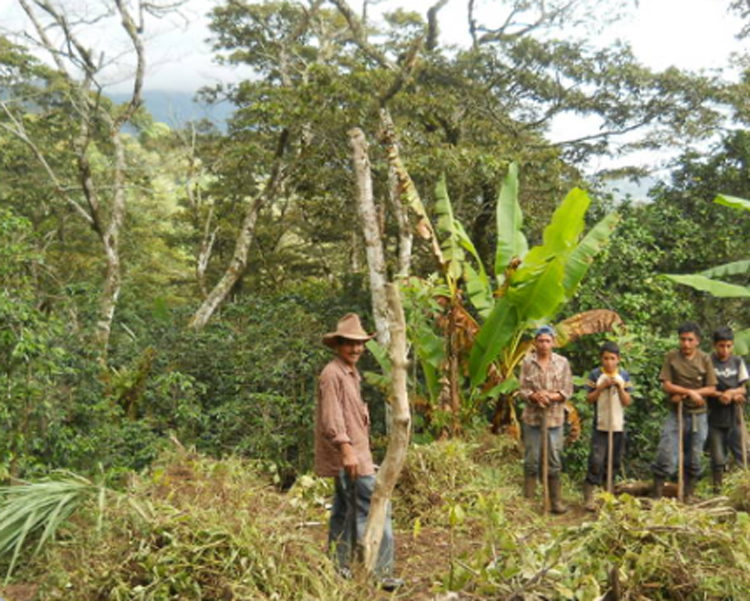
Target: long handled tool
x=680 y=455
x=610 y=445
x=353 y=541
x=545 y=459
x=743 y=433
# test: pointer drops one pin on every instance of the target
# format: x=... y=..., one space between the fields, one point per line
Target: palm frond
x=30 y=508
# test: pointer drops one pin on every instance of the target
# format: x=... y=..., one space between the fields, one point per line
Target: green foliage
x=194 y=529
x=39 y=510
x=670 y=552
x=548 y=276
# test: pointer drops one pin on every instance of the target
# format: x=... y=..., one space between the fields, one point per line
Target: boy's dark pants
x=597 y=472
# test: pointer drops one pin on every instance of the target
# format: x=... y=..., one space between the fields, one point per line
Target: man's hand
x=349 y=459
x=676 y=398
x=696 y=398
x=540 y=398
x=725 y=398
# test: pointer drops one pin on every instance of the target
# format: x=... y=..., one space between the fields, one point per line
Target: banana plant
x=708 y=280
x=528 y=286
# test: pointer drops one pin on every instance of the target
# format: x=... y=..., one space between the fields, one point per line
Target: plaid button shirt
x=341 y=416
x=556 y=377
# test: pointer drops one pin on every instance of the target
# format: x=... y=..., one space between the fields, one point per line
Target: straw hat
x=348 y=327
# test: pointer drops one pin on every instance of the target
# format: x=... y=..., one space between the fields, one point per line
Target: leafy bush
x=671 y=552
x=192 y=529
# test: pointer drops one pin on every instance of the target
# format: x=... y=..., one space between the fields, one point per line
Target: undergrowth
x=193 y=528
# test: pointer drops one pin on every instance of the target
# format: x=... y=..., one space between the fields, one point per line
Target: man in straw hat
x=342 y=449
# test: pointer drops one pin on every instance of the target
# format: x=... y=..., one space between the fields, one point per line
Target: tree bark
x=105 y=218
x=371 y=232
x=398 y=443
x=237 y=264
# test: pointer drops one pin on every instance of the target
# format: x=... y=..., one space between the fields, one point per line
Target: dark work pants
x=598 y=455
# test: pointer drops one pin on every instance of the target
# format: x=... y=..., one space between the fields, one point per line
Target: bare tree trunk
x=237 y=264
x=111 y=241
x=371 y=232
x=80 y=70
x=195 y=202
x=398 y=443
x=233 y=272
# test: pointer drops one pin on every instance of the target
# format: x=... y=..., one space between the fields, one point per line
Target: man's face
x=543 y=344
x=349 y=351
x=610 y=362
x=724 y=349
x=688 y=343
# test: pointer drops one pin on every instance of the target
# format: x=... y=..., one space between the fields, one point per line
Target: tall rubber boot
x=658 y=488
x=555 y=494
x=529 y=486
x=588 y=497
x=718 y=478
x=690 y=489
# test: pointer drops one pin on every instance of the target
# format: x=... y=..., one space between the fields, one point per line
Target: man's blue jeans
x=694 y=434
x=345 y=516
x=532 y=448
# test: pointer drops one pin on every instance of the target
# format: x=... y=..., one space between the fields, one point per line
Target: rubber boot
x=555 y=494
x=658 y=488
x=690 y=489
x=718 y=478
x=529 y=486
x=588 y=497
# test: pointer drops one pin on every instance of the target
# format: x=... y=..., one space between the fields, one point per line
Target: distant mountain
x=176 y=108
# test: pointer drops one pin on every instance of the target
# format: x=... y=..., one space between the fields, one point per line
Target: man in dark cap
x=546 y=383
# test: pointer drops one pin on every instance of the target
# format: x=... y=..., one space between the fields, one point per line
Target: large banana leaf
x=716 y=288
x=567 y=221
x=430 y=351
x=593 y=321
x=583 y=256
x=493 y=336
x=508 y=216
x=734 y=268
x=537 y=295
x=446 y=224
x=559 y=238
x=477 y=282
x=733 y=201
x=478 y=291
x=742 y=342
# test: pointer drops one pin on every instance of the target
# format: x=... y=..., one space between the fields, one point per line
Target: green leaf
x=509 y=219
x=478 y=290
x=732 y=201
x=452 y=250
x=503 y=387
x=381 y=356
x=537 y=295
x=715 y=288
x=494 y=335
x=742 y=342
x=734 y=268
x=567 y=221
x=583 y=256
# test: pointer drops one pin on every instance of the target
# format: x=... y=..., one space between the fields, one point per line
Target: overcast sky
x=690 y=34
